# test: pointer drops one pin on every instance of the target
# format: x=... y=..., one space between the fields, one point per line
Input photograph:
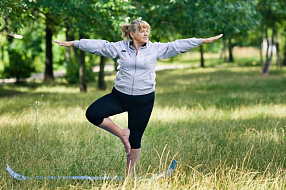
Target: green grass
x=225 y=126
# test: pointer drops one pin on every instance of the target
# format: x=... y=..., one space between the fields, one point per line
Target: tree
x=14 y=14
x=273 y=14
x=234 y=19
x=284 y=60
x=202 y=22
x=51 y=14
x=21 y=51
x=82 y=22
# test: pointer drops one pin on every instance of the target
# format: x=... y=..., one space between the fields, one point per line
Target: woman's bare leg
x=123 y=134
x=131 y=161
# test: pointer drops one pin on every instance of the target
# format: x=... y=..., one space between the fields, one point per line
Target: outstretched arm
x=167 y=50
x=210 y=40
x=98 y=47
x=65 y=44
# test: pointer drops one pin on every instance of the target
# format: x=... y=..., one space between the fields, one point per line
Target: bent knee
x=93 y=117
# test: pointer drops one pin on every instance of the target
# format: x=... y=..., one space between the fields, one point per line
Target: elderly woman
x=134 y=88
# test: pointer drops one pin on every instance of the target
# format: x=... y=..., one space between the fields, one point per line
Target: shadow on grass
x=9 y=93
x=219 y=88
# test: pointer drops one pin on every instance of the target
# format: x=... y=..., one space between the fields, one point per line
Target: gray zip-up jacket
x=136 y=73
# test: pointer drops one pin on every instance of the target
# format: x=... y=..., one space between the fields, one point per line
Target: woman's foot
x=131 y=161
x=125 y=141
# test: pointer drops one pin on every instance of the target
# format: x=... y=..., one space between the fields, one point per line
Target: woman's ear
x=132 y=35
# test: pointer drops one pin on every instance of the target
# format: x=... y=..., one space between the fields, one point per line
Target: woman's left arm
x=65 y=44
x=170 y=49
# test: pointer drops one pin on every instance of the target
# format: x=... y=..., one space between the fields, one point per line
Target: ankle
x=130 y=171
x=124 y=134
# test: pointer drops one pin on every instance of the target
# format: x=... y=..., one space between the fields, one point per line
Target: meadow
x=224 y=125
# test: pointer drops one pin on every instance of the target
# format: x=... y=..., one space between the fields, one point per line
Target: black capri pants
x=139 y=108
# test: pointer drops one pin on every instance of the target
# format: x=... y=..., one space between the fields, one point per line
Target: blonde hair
x=134 y=27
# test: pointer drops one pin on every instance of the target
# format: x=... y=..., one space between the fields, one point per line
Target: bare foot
x=125 y=141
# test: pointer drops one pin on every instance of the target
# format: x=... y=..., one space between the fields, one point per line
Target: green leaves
x=197 y=17
x=15 y=7
x=272 y=10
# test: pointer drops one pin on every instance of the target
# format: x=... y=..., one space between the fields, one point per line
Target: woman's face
x=141 y=36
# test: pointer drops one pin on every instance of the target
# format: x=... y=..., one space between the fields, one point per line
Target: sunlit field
x=224 y=125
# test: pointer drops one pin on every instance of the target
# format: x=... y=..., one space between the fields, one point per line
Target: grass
x=225 y=126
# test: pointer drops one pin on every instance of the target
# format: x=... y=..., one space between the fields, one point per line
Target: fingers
x=218 y=36
x=210 y=40
x=58 y=42
x=65 y=44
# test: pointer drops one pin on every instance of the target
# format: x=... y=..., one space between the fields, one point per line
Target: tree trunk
x=277 y=45
x=68 y=49
x=223 y=54
x=2 y=53
x=101 y=82
x=284 y=60
x=230 y=58
x=68 y=55
x=82 y=71
x=261 y=47
x=202 y=56
x=265 y=70
x=265 y=67
x=76 y=55
x=49 y=75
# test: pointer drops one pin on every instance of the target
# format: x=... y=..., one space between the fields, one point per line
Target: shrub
x=20 y=66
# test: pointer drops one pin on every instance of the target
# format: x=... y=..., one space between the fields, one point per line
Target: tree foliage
x=15 y=10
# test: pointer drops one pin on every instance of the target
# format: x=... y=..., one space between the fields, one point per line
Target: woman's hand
x=65 y=44
x=210 y=40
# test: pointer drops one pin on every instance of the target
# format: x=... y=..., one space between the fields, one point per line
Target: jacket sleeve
x=98 y=47
x=170 y=49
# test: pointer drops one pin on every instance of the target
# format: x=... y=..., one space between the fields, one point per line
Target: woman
x=134 y=83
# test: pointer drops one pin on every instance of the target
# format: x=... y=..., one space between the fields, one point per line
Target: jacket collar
x=130 y=45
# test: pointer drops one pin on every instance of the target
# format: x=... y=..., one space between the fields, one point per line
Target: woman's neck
x=137 y=45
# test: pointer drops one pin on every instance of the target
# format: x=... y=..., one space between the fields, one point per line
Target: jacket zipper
x=134 y=75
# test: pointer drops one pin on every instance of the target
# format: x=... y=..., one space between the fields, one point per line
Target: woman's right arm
x=98 y=47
